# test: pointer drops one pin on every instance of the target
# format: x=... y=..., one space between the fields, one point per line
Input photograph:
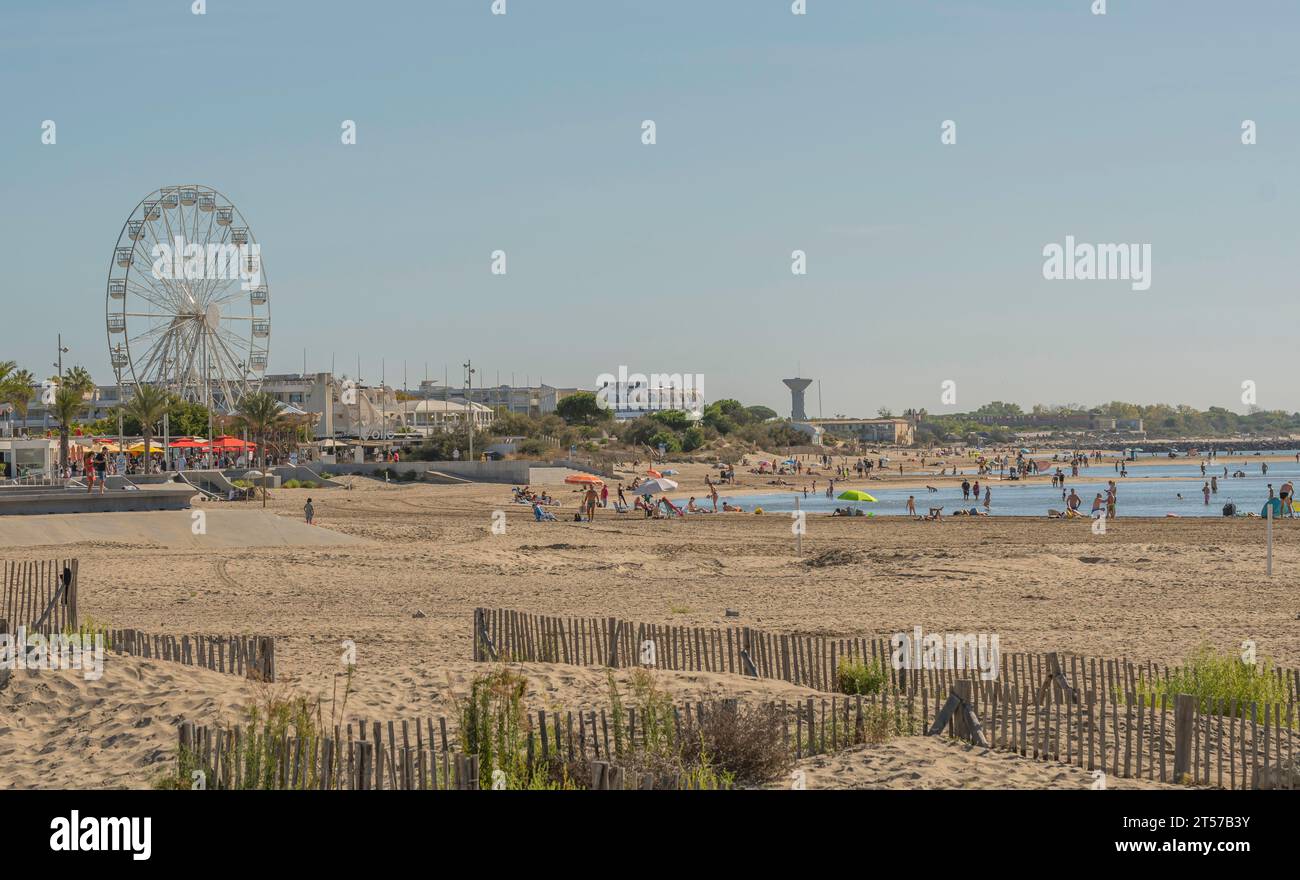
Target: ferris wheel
x=187 y=306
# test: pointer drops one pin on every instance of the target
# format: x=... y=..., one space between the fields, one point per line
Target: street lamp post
x=469 y=411
x=59 y=364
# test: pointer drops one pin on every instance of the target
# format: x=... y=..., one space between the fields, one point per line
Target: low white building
x=28 y=458
x=427 y=417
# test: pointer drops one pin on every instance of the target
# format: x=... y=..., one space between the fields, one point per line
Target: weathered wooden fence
x=249 y=656
x=1135 y=735
x=1219 y=745
x=593 y=745
x=1113 y=715
x=235 y=758
x=809 y=661
x=40 y=596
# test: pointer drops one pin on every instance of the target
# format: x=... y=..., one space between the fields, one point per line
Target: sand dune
x=930 y=762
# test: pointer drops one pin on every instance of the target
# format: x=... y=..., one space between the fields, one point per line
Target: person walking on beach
x=713 y=496
x=589 y=503
x=88 y=468
x=622 y=501
x=101 y=465
x=309 y=512
x=604 y=495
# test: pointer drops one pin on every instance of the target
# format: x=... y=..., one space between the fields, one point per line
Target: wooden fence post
x=1183 y=706
x=615 y=626
x=599 y=776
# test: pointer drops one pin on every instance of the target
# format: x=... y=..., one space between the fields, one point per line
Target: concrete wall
x=585 y=467
x=92 y=502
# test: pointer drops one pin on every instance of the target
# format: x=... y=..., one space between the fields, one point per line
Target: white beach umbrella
x=658 y=485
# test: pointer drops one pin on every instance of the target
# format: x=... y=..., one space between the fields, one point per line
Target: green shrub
x=667 y=439
x=291 y=484
x=494 y=726
x=1210 y=677
x=860 y=677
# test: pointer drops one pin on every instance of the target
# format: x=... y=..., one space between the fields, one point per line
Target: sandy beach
x=399 y=569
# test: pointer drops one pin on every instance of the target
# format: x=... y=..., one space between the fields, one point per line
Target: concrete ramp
x=303 y=473
x=213 y=481
x=207 y=493
x=443 y=479
x=224 y=529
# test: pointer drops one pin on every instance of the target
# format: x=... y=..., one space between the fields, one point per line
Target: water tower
x=797 y=387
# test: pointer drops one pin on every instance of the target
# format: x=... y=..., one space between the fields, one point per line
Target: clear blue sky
x=775 y=132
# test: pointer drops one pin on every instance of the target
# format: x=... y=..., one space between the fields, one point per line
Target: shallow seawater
x=1139 y=493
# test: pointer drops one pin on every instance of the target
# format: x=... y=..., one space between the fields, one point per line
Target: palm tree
x=80 y=379
x=68 y=403
x=147 y=406
x=260 y=413
x=15 y=387
x=75 y=387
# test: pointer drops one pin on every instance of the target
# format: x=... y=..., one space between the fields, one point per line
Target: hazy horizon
x=775 y=133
